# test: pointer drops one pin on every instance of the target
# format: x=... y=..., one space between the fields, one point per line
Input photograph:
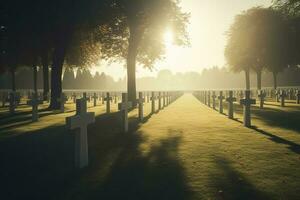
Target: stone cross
x=261 y=95
x=140 y=102
x=12 y=102
x=62 y=100
x=230 y=99
x=164 y=99
x=205 y=97
x=123 y=107
x=298 y=97
x=291 y=94
x=208 y=98
x=103 y=97
x=277 y=95
x=74 y=97
x=221 y=97
x=282 y=98
x=107 y=99
x=159 y=100
x=95 y=97
x=247 y=102
x=214 y=100
x=34 y=102
x=79 y=123
x=153 y=102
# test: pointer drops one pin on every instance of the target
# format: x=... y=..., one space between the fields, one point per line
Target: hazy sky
x=209 y=21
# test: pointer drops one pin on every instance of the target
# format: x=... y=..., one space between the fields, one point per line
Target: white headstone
x=124 y=107
x=79 y=123
x=247 y=102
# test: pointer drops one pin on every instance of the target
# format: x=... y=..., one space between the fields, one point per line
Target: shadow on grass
x=39 y=165
x=231 y=184
x=292 y=146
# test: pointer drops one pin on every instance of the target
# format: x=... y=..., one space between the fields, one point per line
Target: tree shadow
x=39 y=164
x=133 y=175
x=291 y=145
x=231 y=184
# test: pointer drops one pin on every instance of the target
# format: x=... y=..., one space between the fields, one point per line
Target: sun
x=168 y=38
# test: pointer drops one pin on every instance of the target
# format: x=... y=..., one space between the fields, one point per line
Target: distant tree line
x=212 y=78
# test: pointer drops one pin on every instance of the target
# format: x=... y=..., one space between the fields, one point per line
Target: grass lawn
x=186 y=151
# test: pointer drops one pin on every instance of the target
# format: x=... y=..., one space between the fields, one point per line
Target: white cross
x=221 y=97
x=95 y=99
x=123 y=107
x=282 y=97
x=12 y=102
x=298 y=96
x=141 y=101
x=214 y=99
x=153 y=98
x=261 y=96
x=34 y=102
x=230 y=101
x=79 y=123
x=247 y=102
x=107 y=99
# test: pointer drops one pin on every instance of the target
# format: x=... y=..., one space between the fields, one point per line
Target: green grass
x=186 y=151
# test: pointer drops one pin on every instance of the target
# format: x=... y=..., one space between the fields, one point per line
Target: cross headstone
x=230 y=99
x=208 y=98
x=34 y=102
x=261 y=95
x=205 y=97
x=291 y=94
x=298 y=97
x=62 y=100
x=247 y=102
x=103 y=97
x=79 y=123
x=12 y=102
x=74 y=97
x=159 y=100
x=214 y=99
x=282 y=98
x=140 y=102
x=164 y=99
x=95 y=97
x=277 y=95
x=221 y=97
x=107 y=99
x=124 y=106
x=153 y=102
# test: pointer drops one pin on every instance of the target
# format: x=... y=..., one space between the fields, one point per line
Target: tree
x=138 y=32
x=258 y=39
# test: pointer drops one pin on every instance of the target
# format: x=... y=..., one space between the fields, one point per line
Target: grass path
x=186 y=151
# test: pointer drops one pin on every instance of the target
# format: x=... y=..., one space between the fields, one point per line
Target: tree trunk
x=13 y=79
x=56 y=74
x=131 y=65
x=45 y=77
x=247 y=78
x=258 y=73
x=275 y=80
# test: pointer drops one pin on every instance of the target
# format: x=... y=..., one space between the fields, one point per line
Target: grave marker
x=247 y=102
x=107 y=99
x=123 y=107
x=282 y=98
x=153 y=102
x=221 y=97
x=140 y=102
x=261 y=96
x=230 y=99
x=79 y=123
x=34 y=102
x=214 y=100
x=298 y=97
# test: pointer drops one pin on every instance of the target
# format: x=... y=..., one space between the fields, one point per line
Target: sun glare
x=168 y=37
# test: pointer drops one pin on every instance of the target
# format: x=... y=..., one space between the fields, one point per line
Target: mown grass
x=186 y=151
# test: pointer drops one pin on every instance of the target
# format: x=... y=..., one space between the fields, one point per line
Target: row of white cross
x=205 y=97
x=82 y=119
